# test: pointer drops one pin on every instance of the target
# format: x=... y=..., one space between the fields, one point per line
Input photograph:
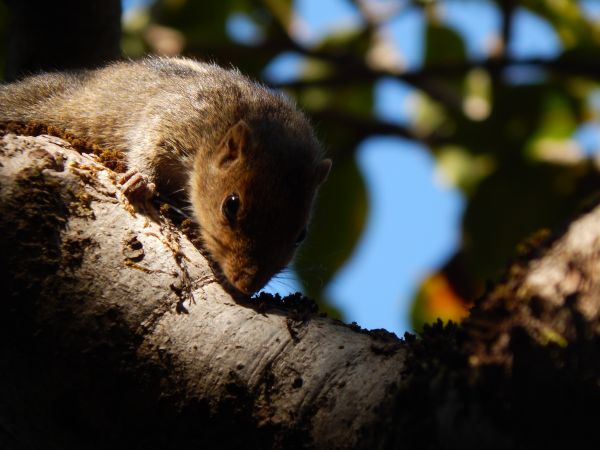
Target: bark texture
x=114 y=333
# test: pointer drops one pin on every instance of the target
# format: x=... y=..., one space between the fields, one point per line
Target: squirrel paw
x=136 y=186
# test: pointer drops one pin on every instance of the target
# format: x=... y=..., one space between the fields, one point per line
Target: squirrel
x=243 y=155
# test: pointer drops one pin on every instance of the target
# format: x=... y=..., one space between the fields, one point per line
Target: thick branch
x=115 y=333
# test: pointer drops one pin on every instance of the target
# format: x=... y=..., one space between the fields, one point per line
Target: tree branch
x=114 y=333
x=507 y=8
x=363 y=127
x=571 y=67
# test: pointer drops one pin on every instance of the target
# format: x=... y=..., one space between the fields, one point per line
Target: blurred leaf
x=429 y=117
x=282 y=10
x=338 y=221
x=518 y=200
x=459 y=168
x=443 y=45
x=583 y=60
x=477 y=95
x=436 y=299
x=567 y=18
x=518 y=114
x=557 y=123
x=314 y=69
x=555 y=150
x=199 y=21
x=204 y=28
x=356 y=99
x=356 y=40
x=133 y=44
x=447 y=294
x=557 y=119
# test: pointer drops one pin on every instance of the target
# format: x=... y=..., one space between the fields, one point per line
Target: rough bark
x=115 y=333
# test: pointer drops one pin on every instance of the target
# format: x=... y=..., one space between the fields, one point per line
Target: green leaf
x=567 y=19
x=460 y=168
x=552 y=140
x=204 y=27
x=443 y=45
x=516 y=201
x=356 y=40
x=436 y=299
x=283 y=10
x=520 y=114
x=200 y=22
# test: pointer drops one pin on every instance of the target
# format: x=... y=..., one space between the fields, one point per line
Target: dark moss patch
x=296 y=303
x=534 y=394
x=113 y=159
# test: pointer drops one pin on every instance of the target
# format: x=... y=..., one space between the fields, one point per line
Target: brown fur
x=202 y=130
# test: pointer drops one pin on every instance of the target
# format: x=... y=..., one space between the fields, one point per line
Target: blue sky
x=414 y=219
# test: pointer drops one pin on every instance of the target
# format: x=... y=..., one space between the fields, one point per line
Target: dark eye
x=230 y=207
x=300 y=237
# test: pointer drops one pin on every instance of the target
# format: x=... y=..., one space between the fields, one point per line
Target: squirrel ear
x=234 y=143
x=323 y=169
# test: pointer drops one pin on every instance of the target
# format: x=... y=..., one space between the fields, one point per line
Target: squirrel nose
x=249 y=280
x=244 y=277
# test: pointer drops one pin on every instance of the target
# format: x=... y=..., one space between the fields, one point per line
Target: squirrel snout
x=249 y=279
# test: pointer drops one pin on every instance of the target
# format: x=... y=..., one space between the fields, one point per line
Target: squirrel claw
x=136 y=186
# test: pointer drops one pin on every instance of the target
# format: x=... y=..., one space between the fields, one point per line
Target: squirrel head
x=254 y=197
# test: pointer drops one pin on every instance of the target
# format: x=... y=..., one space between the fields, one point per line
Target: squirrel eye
x=230 y=207
x=300 y=237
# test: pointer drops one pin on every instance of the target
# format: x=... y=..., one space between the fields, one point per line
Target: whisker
x=284 y=278
x=166 y=200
